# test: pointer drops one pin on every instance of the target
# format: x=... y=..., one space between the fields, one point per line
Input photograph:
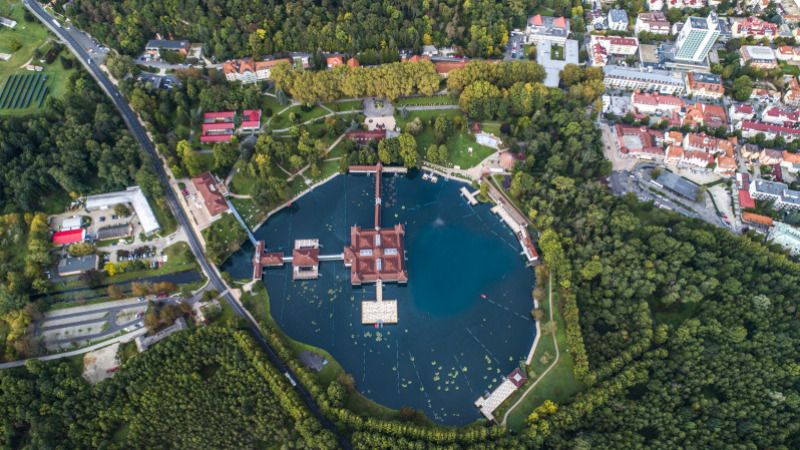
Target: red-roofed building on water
x=305 y=259
x=334 y=61
x=251 y=119
x=213 y=200
x=69 y=237
x=376 y=255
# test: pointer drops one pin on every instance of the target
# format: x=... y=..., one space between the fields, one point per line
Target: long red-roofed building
x=69 y=237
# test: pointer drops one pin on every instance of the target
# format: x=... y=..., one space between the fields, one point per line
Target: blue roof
x=618 y=15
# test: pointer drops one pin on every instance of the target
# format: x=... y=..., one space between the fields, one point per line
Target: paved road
x=138 y=132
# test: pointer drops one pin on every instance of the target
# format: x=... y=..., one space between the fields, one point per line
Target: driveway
x=373 y=110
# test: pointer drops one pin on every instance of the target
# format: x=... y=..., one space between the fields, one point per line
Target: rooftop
x=79 y=264
x=133 y=196
x=677 y=184
x=69 y=236
x=212 y=198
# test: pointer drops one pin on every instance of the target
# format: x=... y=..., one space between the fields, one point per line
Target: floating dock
x=470 y=197
x=488 y=403
x=378 y=311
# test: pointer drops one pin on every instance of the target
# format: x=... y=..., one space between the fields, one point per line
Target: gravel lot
x=129 y=314
x=97 y=363
x=74 y=331
x=69 y=320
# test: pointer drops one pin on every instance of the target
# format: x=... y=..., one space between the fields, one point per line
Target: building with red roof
x=363 y=137
x=706 y=85
x=251 y=119
x=217 y=126
x=334 y=61
x=756 y=218
x=655 y=103
x=213 y=200
x=221 y=116
x=745 y=200
x=750 y=129
x=376 y=255
x=444 y=67
x=353 y=62
x=755 y=27
x=792 y=96
x=781 y=116
x=69 y=237
x=543 y=28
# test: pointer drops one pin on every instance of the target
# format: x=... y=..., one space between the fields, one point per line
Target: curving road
x=138 y=132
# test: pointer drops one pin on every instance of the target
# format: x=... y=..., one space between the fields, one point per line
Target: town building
x=553 y=29
x=132 y=196
x=783 y=197
x=673 y=137
x=617 y=20
x=713 y=116
x=643 y=79
x=678 y=185
x=704 y=85
x=781 y=116
x=754 y=27
x=640 y=142
x=115 y=232
x=656 y=103
x=655 y=5
x=70 y=266
x=595 y=19
x=674 y=154
x=213 y=200
x=770 y=156
x=741 y=111
x=601 y=47
x=786 y=53
x=334 y=61
x=759 y=57
x=249 y=71
x=696 y=38
x=363 y=137
x=750 y=152
x=154 y=47
x=655 y=22
x=786 y=236
x=765 y=95
x=300 y=59
x=745 y=201
x=704 y=143
x=681 y=4
x=696 y=159
x=750 y=129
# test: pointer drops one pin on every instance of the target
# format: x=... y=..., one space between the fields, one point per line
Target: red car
x=113 y=369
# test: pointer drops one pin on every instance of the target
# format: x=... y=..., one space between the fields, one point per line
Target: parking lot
x=159 y=81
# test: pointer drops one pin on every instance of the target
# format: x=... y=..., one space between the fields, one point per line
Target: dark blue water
x=450 y=344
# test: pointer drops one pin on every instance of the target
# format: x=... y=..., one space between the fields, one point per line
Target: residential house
x=154 y=46
x=765 y=95
x=213 y=200
x=353 y=62
x=430 y=50
x=704 y=85
x=750 y=152
x=553 y=29
x=760 y=57
x=617 y=20
x=754 y=27
x=703 y=113
x=726 y=165
x=791 y=161
x=770 y=156
x=696 y=159
x=363 y=137
x=334 y=61
x=655 y=5
x=643 y=79
x=741 y=111
x=655 y=22
x=681 y=4
x=786 y=53
x=792 y=96
x=704 y=143
x=595 y=19
x=781 y=116
x=300 y=59
x=674 y=154
x=673 y=137
x=73 y=266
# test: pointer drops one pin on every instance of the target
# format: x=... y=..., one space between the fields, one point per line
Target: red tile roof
x=757 y=218
x=443 y=67
x=213 y=199
x=69 y=237
x=216 y=138
x=305 y=257
x=217 y=126
x=745 y=200
x=251 y=118
x=220 y=115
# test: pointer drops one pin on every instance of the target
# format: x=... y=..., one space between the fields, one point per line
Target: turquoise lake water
x=450 y=344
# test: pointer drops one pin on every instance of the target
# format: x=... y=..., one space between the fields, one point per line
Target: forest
x=204 y=388
x=236 y=29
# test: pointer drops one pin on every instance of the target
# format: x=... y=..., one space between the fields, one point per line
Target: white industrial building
x=133 y=196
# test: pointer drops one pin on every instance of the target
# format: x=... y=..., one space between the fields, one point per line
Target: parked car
x=113 y=369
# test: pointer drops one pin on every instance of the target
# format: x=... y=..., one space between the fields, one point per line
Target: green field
x=352 y=105
x=433 y=100
x=30 y=35
x=282 y=121
x=790 y=69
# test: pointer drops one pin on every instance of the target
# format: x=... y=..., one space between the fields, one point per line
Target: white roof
x=135 y=197
x=71 y=223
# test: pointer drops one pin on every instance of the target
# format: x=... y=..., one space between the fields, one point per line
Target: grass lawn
x=426 y=115
x=459 y=146
x=433 y=100
x=352 y=105
x=225 y=227
x=559 y=384
x=327 y=169
x=164 y=217
x=30 y=35
x=242 y=182
x=558 y=53
x=790 y=69
x=338 y=151
x=251 y=214
x=494 y=129
x=282 y=121
x=269 y=102
x=317 y=131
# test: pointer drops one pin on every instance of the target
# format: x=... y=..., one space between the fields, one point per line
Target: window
x=390 y=251
x=378 y=264
x=366 y=252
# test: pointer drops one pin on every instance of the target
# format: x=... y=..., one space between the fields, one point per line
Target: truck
x=291 y=380
x=56 y=23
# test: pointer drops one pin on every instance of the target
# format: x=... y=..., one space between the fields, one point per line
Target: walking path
x=544 y=374
x=124 y=338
